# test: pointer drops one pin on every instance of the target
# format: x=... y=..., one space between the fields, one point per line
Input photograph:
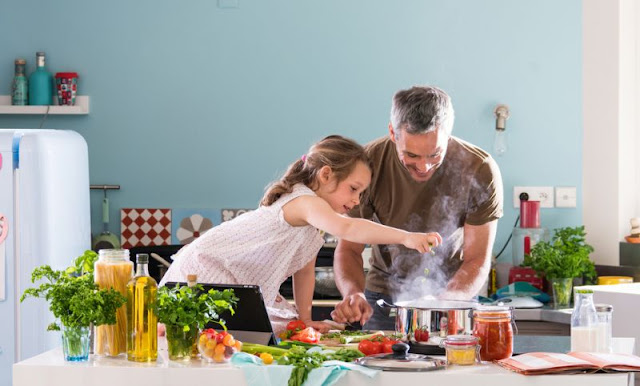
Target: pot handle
x=383 y=304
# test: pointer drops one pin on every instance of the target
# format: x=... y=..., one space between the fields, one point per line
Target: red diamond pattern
x=133 y=220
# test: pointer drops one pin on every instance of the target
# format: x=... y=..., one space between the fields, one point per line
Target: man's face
x=421 y=154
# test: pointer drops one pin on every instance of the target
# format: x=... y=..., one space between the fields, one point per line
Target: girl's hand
x=322 y=327
x=422 y=242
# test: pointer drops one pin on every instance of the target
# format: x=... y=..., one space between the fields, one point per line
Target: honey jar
x=461 y=349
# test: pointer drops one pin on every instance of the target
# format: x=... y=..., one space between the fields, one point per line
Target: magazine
x=536 y=363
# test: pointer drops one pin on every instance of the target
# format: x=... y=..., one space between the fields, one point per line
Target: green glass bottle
x=19 y=88
x=40 y=84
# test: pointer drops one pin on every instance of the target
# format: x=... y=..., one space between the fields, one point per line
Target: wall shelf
x=81 y=107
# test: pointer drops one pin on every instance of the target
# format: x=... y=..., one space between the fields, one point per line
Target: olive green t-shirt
x=466 y=188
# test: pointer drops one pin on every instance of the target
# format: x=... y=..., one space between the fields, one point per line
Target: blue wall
x=193 y=105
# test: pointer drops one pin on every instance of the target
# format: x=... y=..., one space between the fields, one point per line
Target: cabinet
x=80 y=108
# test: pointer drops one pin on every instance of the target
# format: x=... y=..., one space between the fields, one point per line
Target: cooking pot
x=440 y=318
x=326 y=282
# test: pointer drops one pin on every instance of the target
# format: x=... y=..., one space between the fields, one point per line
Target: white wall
x=610 y=172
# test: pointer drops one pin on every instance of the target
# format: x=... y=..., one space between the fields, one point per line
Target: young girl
x=282 y=237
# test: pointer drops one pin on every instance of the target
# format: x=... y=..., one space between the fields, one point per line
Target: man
x=424 y=179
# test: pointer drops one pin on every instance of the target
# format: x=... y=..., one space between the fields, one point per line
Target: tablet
x=250 y=322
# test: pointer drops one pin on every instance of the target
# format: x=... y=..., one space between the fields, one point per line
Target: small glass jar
x=113 y=270
x=493 y=326
x=605 y=313
x=461 y=349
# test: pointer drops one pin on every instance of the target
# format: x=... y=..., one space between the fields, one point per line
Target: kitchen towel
x=256 y=373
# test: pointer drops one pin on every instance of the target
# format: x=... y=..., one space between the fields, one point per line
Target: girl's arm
x=317 y=212
x=303 y=284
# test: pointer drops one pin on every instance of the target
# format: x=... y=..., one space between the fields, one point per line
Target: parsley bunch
x=190 y=306
x=75 y=300
x=566 y=256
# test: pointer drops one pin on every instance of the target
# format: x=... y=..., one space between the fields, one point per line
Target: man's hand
x=354 y=308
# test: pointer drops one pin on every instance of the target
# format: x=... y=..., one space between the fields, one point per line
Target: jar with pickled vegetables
x=113 y=270
x=493 y=326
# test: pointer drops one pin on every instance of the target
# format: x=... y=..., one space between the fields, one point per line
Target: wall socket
x=544 y=194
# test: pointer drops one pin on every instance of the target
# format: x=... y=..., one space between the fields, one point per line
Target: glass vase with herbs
x=561 y=260
x=186 y=310
x=76 y=302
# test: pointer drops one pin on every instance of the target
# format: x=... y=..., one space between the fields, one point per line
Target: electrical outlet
x=544 y=194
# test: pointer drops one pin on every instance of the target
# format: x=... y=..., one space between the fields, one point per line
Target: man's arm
x=349 y=275
x=476 y=252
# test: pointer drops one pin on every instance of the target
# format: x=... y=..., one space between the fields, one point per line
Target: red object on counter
x=527 y=274
x=529 y=214
x=492 y=326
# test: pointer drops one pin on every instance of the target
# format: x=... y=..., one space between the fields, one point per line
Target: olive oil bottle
x=142 y=322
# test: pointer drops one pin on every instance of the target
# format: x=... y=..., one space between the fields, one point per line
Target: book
x=536 y=363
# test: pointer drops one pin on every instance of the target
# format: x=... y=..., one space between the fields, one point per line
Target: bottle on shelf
x=40 y=83
x=192 y=280
x=584 y=323
x=19 y=86
x=142 y=322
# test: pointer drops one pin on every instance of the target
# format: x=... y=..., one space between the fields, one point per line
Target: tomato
x=388 y=344
x=296 y=325
x=370 y=347
x=421 y=334
x=307 y=335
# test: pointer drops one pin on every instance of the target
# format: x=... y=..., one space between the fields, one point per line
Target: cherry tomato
x=296 y=325
x=421 y=334
x=386 y=347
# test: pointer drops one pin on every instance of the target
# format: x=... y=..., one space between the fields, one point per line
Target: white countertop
x=50 y=369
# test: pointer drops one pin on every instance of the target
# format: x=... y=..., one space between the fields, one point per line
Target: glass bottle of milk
x=584 y=323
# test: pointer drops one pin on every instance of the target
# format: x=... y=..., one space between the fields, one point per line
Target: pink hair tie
x=304 y=158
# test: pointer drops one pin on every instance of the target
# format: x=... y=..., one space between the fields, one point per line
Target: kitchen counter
x=49 y=369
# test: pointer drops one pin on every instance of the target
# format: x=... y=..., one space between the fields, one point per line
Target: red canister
x=529 y=214
x=66 y=87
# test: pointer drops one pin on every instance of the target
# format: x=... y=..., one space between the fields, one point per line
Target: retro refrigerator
x=44 y=219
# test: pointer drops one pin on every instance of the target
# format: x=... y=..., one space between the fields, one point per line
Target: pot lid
x=431 y=303
x=401 y=360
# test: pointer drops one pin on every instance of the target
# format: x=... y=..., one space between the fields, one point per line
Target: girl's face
x=344 y=195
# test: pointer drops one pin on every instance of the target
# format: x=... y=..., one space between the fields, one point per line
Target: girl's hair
x=339 y=153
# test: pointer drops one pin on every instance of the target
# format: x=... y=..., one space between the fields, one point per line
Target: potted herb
x=77 y=302
x=186 y=310
x=561 y=260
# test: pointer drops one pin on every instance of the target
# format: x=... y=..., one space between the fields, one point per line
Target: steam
x=414 y=275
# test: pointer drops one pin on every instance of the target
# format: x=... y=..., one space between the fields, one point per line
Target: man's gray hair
x=422 y=109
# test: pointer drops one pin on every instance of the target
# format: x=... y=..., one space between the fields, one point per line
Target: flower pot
x=561 y=292
x=181 y=344
x=75 y=343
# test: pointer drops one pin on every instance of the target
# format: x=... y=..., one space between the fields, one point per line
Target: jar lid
x=604 y=307
x=114 y=254
x=66 y=74
x=461 y=340
x=584 y=291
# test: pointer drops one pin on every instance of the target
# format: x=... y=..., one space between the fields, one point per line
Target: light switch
x=566 y=197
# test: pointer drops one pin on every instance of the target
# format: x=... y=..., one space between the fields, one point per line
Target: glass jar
x=605 y=313
x=461 y=349
x=113 y=270
x=493 y=326
x=584 y=323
